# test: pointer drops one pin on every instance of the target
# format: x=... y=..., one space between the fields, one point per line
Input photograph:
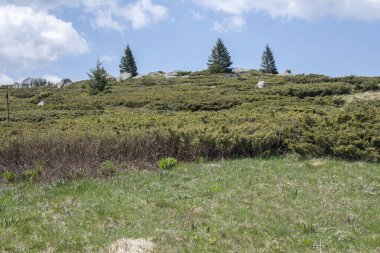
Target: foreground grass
x=238 y=206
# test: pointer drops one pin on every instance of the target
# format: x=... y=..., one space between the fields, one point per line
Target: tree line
x=218 y=62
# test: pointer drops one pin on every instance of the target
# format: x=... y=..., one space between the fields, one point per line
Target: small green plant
x=10 y=177
x=309 y=228
x=167 y=163
x=107 y=168
x=202 y=159
x=33 y=174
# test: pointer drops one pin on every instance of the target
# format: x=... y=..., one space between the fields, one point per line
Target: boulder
x=33 y=82
x=156 y=74
x=288 y=72
x=138 y=77
x=124 y=76
x=261 y=84
x=41 y=103
x=64 y=82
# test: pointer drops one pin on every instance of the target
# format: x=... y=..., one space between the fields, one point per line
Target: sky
x=57 y=39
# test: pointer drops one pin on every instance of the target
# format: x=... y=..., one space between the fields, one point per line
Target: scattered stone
x=64 y=82
x=261 y=84
x=174 y=74
x=288 y=72
x=132 y=246
x=33 y=83
x=170 y=77
x=240 y=70
x=231 y=76
x=41 y=82
x=124 y=76
x=350 y=217
x=156 y=74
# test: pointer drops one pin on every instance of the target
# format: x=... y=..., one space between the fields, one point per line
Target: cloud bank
x=110 y=14
x=31 y=37
x=308 y=10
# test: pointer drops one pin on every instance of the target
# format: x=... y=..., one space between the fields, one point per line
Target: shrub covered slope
x=140 y=121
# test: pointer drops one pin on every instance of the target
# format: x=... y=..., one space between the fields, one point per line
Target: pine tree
x=128 y=63
x=98 y=78
x=220 y=59
x=268 y=64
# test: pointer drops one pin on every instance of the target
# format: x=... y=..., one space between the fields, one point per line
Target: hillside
x=134 y=123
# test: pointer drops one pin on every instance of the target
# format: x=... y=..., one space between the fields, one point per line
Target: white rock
x=64 y=82
x=156 y=73
x=261 y=84
x=41 y=103
x=138 y=77
x=124 y=76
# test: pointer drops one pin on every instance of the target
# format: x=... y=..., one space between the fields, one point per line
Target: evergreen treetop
x=98 y=78
x=268 y=64
x=220 y=59
x=128 y=63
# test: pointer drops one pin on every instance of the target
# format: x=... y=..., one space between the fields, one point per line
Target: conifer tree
x=220 y=59
x=128 y=63
x=98 y=78
x=268 y=64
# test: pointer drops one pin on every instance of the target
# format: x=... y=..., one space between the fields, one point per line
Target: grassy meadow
x=291 y=167
x=244 y=205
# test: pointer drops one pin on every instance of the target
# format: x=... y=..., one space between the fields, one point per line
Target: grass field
x=248 y=205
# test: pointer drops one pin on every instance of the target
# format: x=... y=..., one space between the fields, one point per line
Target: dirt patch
x=131 y=246
x=318 y=163
x=369 y=95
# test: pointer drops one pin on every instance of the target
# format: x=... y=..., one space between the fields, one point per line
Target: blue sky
x=63 y=38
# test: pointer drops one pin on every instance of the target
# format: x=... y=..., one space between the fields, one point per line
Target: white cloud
x=112 y=14
x=4 y=79
x=31 y=37
x=302 y=9
x=52 y=78
x=219 y=28
x=106 y=58
x=197 y=15
x=143 y=12
x=230 y=24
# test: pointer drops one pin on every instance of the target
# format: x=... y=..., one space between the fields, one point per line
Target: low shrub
x=107 y=168
x=10 y=176
x=33 y=174
x=167 y=163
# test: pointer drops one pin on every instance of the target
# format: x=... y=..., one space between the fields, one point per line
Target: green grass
x=251 y=205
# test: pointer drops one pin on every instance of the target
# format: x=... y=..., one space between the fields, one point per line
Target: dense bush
x=205 y=115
